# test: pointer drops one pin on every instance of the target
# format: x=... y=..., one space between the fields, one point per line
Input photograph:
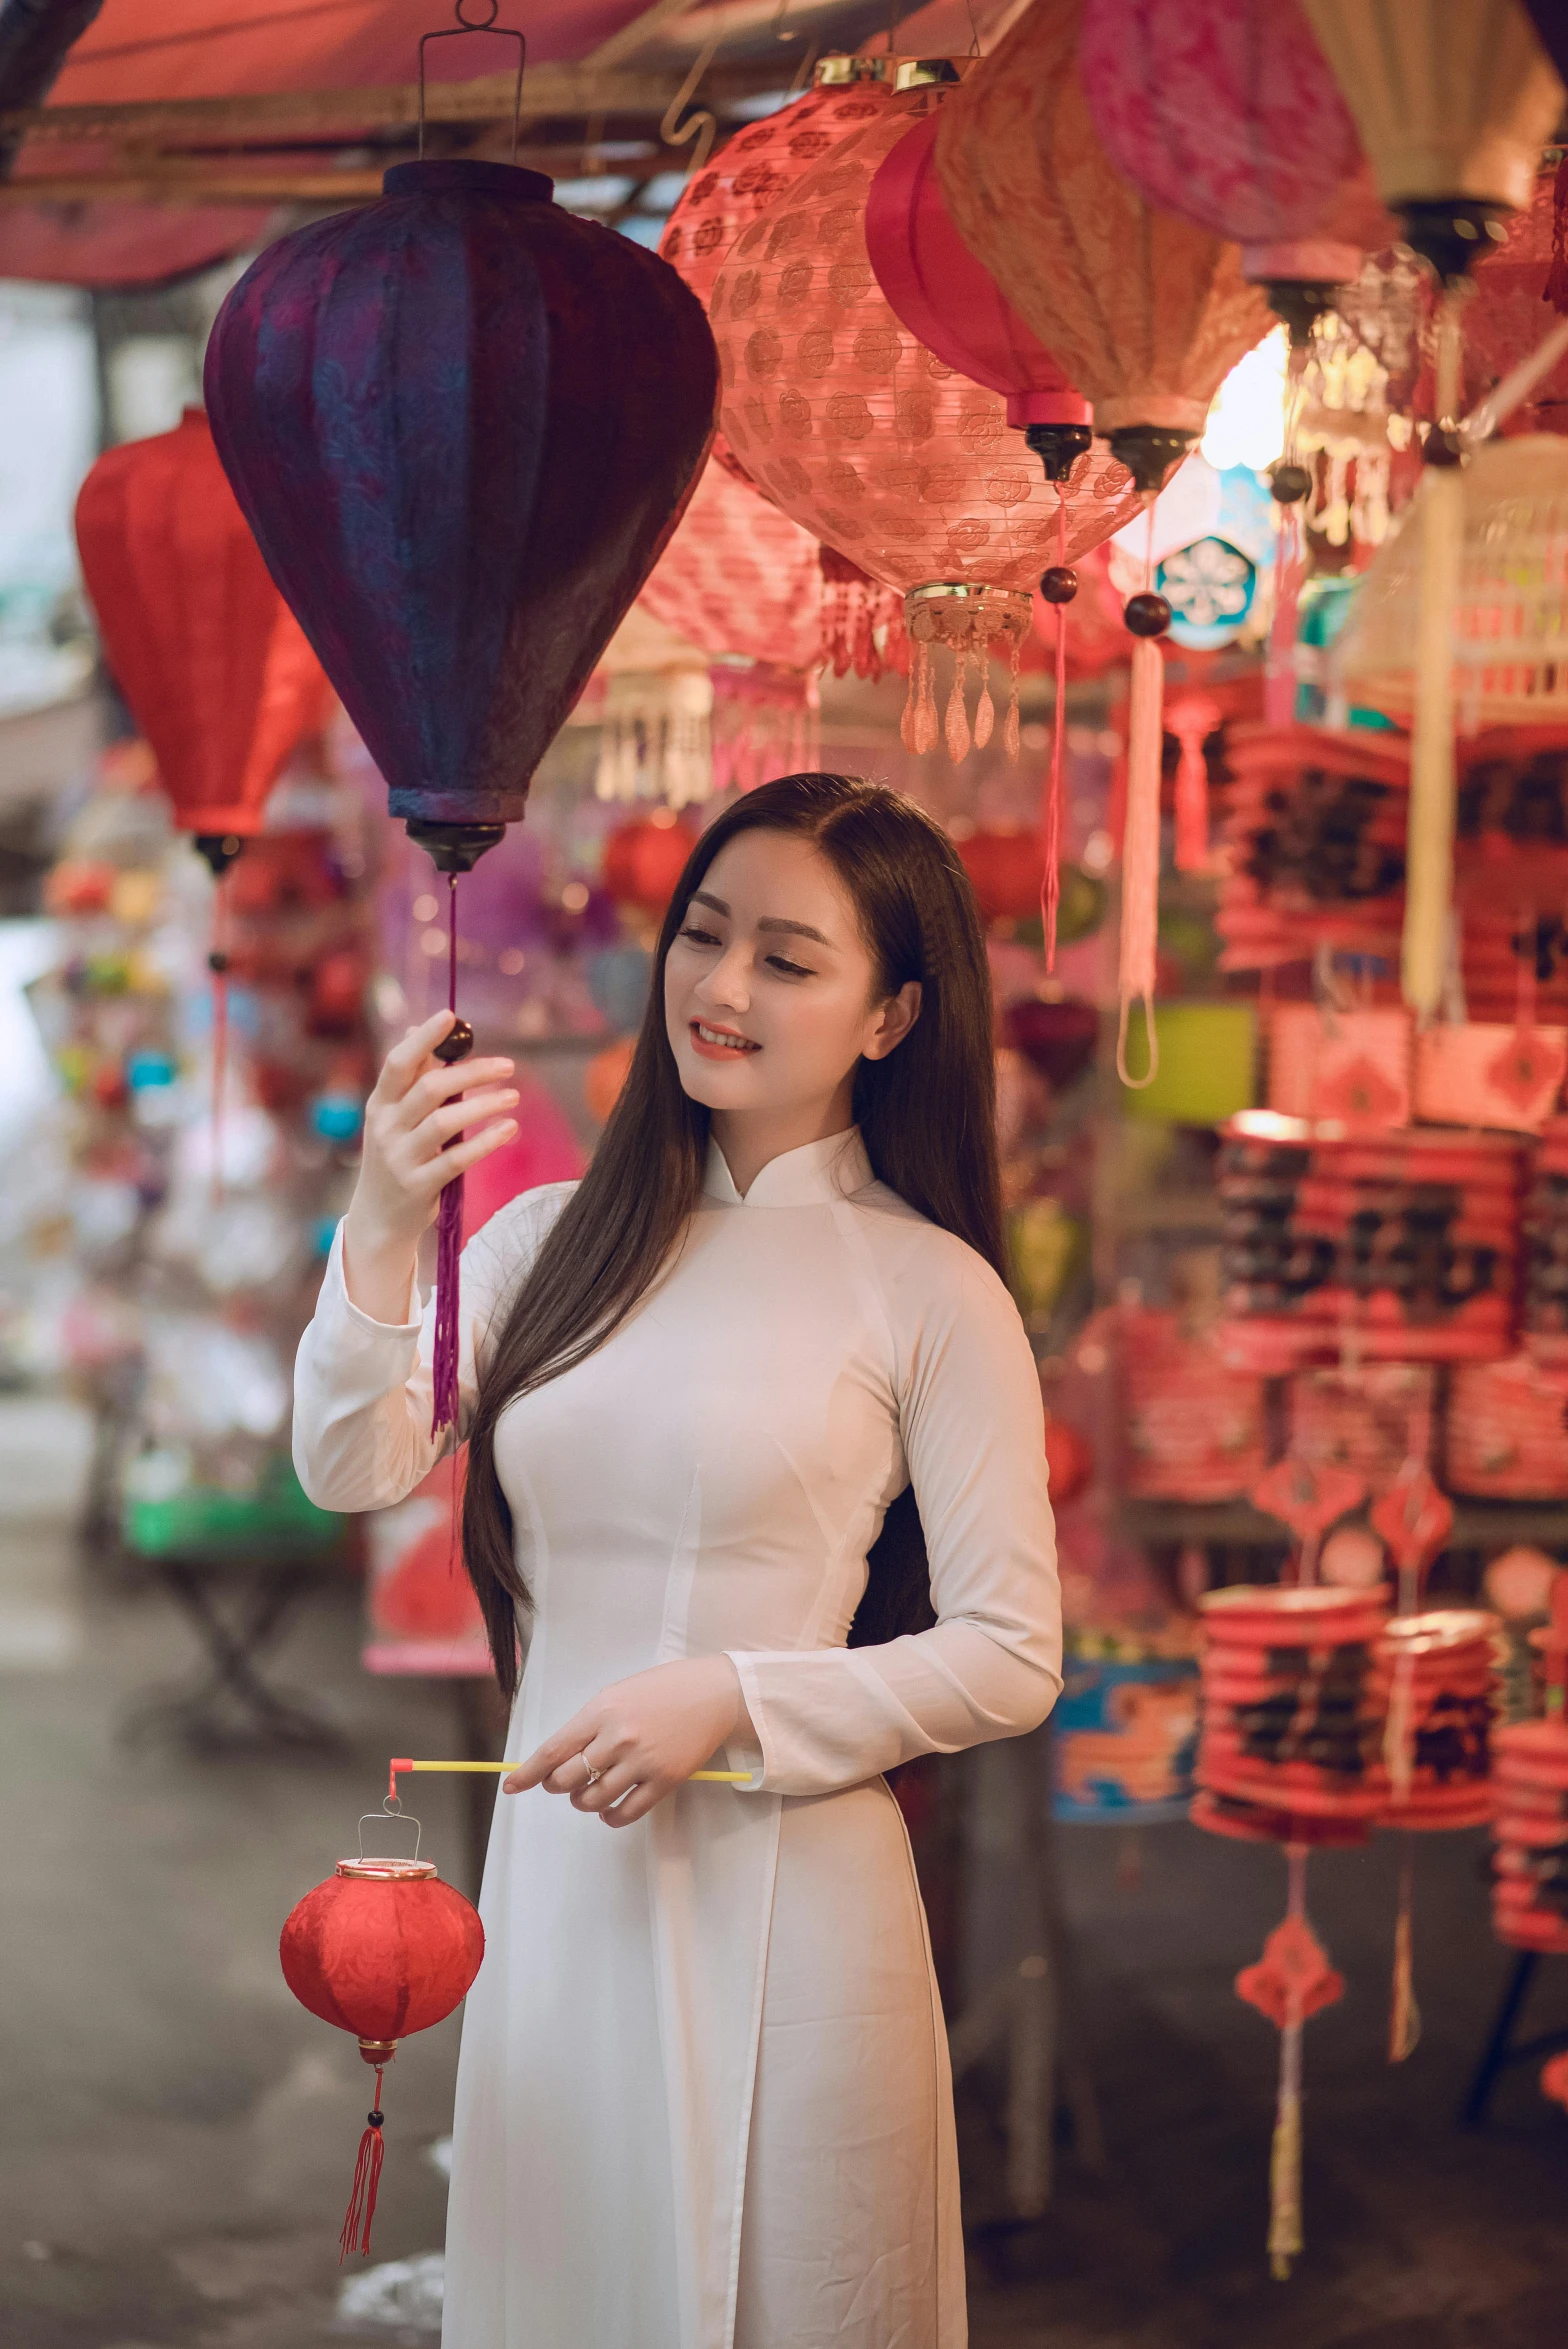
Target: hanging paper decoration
x=382 y=1948
x=882 y=451
x=1314 y=835
x=1402 y=1246
x=1459 y=620
x=1295 y=1695
x=1439 y=1726
x=462 y=424
x=1454 y=100
x=1229 y=117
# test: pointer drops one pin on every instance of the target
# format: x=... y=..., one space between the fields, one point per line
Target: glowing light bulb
x=1247 y=421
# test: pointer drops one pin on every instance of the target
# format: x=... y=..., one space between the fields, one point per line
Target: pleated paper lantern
x=1228 y=116
x=882 y=451
x=1454 y=100
x=210 y=659
x=381 y=1949
x=1497 y=658
x=462 y=424
x=1147 y=315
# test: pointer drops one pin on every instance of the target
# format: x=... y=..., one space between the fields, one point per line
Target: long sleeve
x=362 y=1388
x=973 y=1435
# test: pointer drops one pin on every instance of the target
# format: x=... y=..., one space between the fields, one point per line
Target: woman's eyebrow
x=714 y=904
x=795 y=929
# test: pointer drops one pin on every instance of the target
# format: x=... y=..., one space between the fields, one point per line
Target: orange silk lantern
x=382 y=1948
x=1145 y=312
x=213 y=664
x=881 y=450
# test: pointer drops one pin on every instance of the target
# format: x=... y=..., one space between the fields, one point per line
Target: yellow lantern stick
x=396 y=1767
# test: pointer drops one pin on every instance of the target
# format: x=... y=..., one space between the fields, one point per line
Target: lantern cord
x=1404 y=2016
x=1141 y=856
x=218 y=963
x=367 y=2180
x=1053 y=819
x=1285 y=2230
x=1279 y=668
x=449 y=1240
x=1430 y=853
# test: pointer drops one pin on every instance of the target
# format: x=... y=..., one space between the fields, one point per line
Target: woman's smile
x=719 y=1043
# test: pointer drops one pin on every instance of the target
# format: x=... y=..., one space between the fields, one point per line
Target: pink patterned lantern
x=1228 y=115
x=739 y=577
x=882 y=450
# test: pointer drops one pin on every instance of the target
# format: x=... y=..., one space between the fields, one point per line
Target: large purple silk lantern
x=462 y=424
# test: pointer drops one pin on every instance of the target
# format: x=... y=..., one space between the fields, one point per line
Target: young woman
x=703 y=2099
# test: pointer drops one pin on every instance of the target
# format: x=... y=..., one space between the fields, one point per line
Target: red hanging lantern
x=644 y=860
x=879 y=448
x=382 y=1948
x=1004 y=871
x=462 y=423
x=210 y=659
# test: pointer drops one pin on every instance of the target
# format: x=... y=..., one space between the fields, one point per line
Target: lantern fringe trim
x=967 y=621
x=862 y=621
x=361 y=2212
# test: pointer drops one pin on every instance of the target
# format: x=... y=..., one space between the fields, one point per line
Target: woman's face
x=770 y=993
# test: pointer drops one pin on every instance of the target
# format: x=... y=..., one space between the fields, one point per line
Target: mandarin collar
x=815 y=1175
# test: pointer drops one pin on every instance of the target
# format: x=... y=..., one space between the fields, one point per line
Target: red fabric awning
x=149 y=49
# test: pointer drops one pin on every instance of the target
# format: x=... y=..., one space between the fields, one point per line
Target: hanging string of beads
x=219 y=850
x=1058 y=585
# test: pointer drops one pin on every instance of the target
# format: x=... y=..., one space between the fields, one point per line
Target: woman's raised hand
x=418 y=1106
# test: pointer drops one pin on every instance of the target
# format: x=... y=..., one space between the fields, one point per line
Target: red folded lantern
x=382 y=1948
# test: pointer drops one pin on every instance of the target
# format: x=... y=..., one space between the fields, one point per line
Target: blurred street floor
x=177 y=2136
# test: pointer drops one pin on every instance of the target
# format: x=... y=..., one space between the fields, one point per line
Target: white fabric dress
x=703 y=2100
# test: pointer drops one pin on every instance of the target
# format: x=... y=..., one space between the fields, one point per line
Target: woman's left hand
x=644 y=1737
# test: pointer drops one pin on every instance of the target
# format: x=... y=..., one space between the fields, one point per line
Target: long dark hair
x=926 y=1114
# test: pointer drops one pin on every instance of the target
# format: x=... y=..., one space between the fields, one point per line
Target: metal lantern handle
x=457 y=32
x=391 y=1808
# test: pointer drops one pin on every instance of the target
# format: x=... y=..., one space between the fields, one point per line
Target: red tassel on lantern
x=382 y=1948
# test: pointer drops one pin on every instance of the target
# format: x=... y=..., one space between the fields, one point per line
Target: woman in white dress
x=751 y=1391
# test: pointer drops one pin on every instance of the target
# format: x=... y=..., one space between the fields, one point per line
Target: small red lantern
x=382 y=1948
x=1006 y=870
x=643 y=860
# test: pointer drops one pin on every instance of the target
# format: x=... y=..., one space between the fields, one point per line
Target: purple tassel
x=449 y=1251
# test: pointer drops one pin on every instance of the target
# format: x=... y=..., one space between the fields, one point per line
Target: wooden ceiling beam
x=548 y=90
